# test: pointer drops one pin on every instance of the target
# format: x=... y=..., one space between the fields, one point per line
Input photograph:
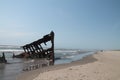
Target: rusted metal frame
x=24 y=49
x=52 y=41
x=36 y=47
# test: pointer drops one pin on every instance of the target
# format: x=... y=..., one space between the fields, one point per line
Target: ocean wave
x=11 y=50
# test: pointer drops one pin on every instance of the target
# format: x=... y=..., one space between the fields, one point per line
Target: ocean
x=14 y=66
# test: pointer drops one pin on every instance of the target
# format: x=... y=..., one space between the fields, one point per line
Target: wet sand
x=100 y=66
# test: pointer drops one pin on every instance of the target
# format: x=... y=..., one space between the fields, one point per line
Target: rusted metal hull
x=36 y=50
x=2 y=59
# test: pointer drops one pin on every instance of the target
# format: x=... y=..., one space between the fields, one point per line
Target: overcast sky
x=87 y=24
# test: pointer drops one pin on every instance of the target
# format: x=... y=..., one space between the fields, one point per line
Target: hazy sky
x=87 y=24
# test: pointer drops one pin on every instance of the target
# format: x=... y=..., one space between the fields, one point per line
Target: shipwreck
x=3 y=59
x=35 y=50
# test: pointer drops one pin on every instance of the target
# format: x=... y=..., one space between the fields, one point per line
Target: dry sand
x=102 y=66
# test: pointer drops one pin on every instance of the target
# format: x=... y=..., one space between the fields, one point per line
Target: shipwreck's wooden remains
x=36 y=50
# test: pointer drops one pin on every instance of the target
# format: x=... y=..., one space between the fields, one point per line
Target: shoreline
x=30 y=75
x=99 y=66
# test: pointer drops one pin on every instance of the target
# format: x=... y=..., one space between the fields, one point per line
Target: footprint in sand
x=70 y=69
x=96 y=72
x=83 y=75
x=56 y=79
x=80 y=74
x=65 y=77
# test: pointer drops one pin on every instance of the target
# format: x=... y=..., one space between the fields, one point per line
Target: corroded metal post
x=52 y=41
x=2 y=59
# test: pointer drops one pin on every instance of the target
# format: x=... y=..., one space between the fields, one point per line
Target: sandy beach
x=101 y=66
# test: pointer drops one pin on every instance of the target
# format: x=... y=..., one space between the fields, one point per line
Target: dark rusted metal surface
x=36 y=50
x=2 y=59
